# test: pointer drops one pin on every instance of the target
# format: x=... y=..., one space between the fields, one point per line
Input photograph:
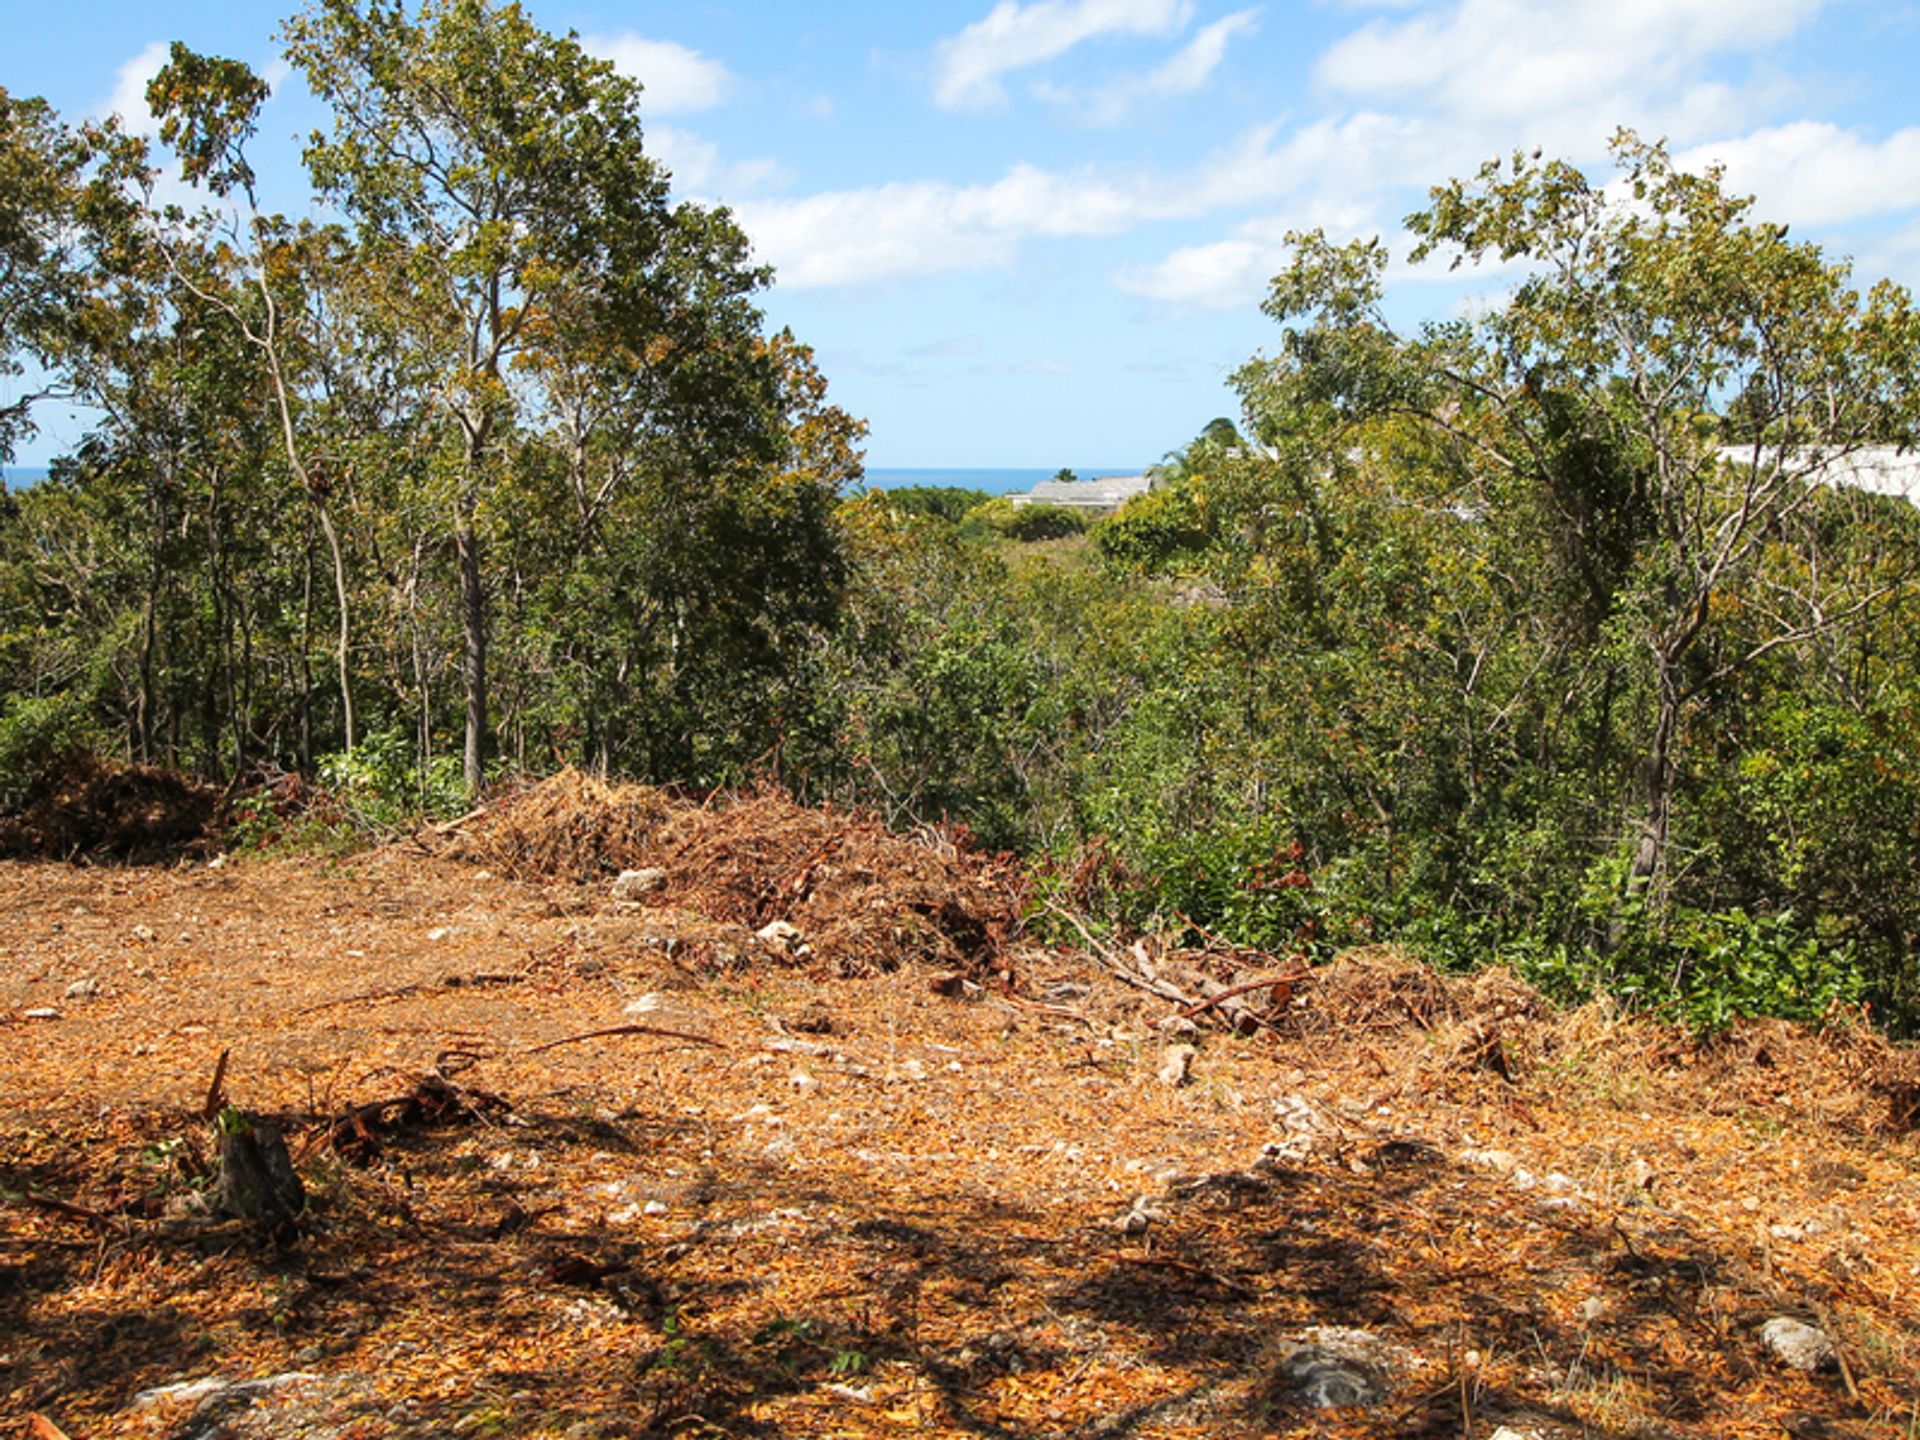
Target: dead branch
x=1289 y=980
x=630 y=1030
x=447 y=827
x=66 y=1208
x=401 y=992
x=216 y=1089
x=1197 y=1272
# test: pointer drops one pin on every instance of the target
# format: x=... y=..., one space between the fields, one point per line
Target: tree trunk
x=344 y=639
x=1646 y=877
x=257 y=1179
x=473 y=621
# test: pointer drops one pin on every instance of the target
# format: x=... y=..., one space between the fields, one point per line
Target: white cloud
x=1016 y=36
x=675 y=78
x=871 y=237
x=1814 y=173
x=884 y=234
x=1527 y=61
x=698 y=169
x=129 y=98
x=1187 y=70
x=1329 y=173
x=1232 y=274
x=1196 y=61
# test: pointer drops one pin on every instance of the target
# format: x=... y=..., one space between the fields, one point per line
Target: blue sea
x=994 y=482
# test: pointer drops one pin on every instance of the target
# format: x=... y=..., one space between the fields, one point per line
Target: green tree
x=41 y=168
x=498 y=182
x=1592 y=394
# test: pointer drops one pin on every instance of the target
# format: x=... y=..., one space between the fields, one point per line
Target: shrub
x=1154 y=533
x=1025 y=523
x=35 y=734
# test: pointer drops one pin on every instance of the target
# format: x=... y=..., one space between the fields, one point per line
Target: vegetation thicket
x=1535 y=636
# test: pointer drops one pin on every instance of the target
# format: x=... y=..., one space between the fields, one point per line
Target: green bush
x=1160 y=531
x=1024 y=523
x=380 y=785
x=34 y=733
x=940 y=502
x=1707 y=970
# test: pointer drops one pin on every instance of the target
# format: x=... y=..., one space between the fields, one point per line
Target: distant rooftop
x=1100 y=495
x=1878 y=469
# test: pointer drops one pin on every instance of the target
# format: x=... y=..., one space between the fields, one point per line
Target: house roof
x=1107 y=492
x=1878 y=469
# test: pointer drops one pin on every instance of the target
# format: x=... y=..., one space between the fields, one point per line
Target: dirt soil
x=916 y=1201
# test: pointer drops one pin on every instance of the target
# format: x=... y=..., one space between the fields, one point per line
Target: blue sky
x=1037 y=232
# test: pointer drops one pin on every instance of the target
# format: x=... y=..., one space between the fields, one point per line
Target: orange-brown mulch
x=873 y=1210
x=862 y=899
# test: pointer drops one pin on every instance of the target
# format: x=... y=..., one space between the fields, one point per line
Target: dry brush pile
x=859 y=898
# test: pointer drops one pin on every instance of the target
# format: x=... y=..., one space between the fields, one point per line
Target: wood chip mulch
x=750 y=1197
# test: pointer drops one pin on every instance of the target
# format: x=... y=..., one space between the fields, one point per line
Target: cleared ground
x=869 y=1208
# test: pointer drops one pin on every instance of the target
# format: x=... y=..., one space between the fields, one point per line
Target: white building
x=1100 y=496
x=1877 y=469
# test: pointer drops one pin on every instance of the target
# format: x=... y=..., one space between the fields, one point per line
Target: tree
x=266 y=278
x=499 y=185
x=60 y=204
x=1591 y=396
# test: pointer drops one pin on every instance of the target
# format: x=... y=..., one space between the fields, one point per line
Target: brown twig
x=1167 y=1262
x=447 y=827
x=66 y=1208
x=216 y=1089
x=482 y=980
x=1289 y=980
x=1825 y=1317
x=630 y=1030
x=396 y=994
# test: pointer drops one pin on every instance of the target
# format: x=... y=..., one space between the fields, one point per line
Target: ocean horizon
x=995 y=481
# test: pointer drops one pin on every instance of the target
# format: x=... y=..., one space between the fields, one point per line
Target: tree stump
x=257 y=1180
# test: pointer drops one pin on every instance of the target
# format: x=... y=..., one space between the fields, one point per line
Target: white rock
x=83 y=989
x=1300 y=1116
x=1177 y=1069
x=44 y=1012
x=779 y=934
x=1797 y=1344
x=654 y=1207
x=184 y=1390
x=803 y=1082
x=1143 y=1215
x=1332 y=1367
x=645 y=1005
x=638 y=884
x=1280 y=1154
x=439 y=932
